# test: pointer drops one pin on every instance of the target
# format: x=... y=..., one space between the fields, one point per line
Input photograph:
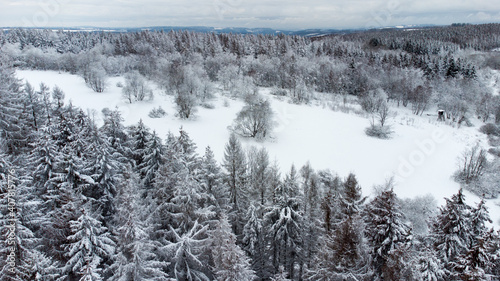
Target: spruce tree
x=230 y=261
x=185 y=252
x=285 y=222
x=236 y=173
x=136 y=258
x=89 y=244
x=386 y=230
x=451 y=230
x=153 y=159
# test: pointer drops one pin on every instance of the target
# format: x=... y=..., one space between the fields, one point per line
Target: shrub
x=494 y=151
x=380 y=132
x=279 y=92
x=157 y=113
x=208 y=105
x=490 y=129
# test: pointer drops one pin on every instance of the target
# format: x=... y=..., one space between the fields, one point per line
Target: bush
x=494 y=151
x=157 y=113
x=208 y=105
x=494 y=141
x=279 y=92
x=490 y=129
x=381 y=132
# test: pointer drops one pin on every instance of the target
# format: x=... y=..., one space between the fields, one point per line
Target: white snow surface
x=422 y=155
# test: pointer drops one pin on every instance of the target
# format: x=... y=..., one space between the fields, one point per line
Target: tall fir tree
x=451 y=230
x=236 y=175
x=136 y=258
x=285 y=223
x=154 y=158
x=386 y=230
x=89 y=244
x=230 y=262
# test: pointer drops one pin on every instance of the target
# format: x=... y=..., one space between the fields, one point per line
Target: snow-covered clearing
x=422 y=155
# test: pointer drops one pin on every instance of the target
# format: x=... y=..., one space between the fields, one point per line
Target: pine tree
x=312 y=214
x=187 y=205
x=186 y=254
x=154 y=158
x=351 y=199
x=212 y=183
x=235 y=165
x=479 y=217
x=429 y=267
x=258 y=175
x=230 y=261
x=89 y=246
x=11 y=109
x=102 y=167
x=136 y=258
x=187 y=149
x=114 y=131
x=20 y=259
x=475 y=264
x=385 y=229
x=255 y=242
x=139 y=137
x=451 y=231
x=285 y=223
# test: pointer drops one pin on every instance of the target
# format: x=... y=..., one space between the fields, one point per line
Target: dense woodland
x=81 y=201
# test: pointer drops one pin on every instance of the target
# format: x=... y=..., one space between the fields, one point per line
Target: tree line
x=451 y=67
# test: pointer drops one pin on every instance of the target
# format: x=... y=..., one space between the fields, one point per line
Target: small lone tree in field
x=95 y=77
x=472 y=164
x=255 y=120
x=378 y=109
x=135 y=88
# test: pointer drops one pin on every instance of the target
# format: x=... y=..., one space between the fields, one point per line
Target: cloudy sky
x=280 y=14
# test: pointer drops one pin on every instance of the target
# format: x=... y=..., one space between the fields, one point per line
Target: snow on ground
x=422 y=155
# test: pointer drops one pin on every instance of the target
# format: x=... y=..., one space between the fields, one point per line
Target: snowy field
x=422 y=155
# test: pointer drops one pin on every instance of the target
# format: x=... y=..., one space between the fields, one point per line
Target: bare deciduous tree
x=255 y=119
x=472 y=164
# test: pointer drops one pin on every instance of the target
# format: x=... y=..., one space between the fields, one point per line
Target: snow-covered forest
x=84 y=196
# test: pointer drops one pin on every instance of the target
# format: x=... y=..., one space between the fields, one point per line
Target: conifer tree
x=285 y=224
x=385 y=229
x=230 y=261
x=451 y=230
x=136 y=258
x=235 y=165
x=211 y=177
x=89 y=244
x=154 y=158
x=255 y=242
x=186 y=254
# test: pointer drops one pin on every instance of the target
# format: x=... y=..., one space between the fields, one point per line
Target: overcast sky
x=279 y=14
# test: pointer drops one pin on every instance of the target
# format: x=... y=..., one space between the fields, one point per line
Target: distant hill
x=207 y=29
